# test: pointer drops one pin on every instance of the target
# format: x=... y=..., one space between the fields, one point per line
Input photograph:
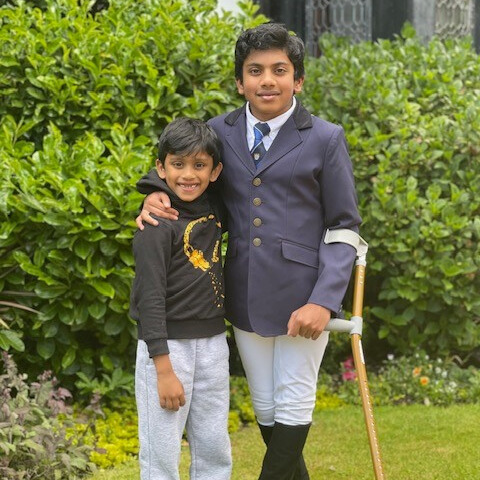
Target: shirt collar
x=275 y=123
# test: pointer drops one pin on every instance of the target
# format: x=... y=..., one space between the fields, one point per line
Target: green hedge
x=83 y=97
x=412 y=118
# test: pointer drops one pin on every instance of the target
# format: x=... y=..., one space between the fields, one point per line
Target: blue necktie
x=258 y=150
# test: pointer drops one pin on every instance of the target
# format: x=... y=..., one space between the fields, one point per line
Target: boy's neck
x=279 y=117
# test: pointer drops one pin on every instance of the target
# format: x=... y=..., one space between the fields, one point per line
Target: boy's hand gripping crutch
x=354 y=327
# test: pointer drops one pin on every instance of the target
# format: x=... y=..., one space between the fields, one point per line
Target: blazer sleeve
x=152 y=252
x=339 y=200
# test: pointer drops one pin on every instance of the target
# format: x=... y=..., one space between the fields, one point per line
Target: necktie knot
x=262 y=128
x=258 y=151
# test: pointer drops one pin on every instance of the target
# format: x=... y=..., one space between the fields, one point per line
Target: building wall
x=228 y=5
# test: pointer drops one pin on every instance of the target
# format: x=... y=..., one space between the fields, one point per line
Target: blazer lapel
x=286 y=140
x=236 y=137
x=288 y=137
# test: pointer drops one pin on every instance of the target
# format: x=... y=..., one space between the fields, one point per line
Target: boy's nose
x=268 y=78
x=188 y=173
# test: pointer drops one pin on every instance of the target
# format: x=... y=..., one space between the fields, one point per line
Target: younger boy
x=182 y=372
x=287 y=179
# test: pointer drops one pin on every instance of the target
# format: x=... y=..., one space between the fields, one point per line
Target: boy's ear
x=216 y=172
x=298 y=85
x=160 y=169
x=240 y=89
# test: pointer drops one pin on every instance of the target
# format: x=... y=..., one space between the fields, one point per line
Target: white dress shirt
x=275 y=124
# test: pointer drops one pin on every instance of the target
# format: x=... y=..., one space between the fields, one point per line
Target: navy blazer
x=278 y=214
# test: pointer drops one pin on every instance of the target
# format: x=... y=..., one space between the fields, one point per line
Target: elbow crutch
x=354 y=327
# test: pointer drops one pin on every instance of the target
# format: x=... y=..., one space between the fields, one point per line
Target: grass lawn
x=417 y=443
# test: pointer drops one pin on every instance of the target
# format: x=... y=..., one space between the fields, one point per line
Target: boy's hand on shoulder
x=308 y=321
x=159 y=204
x=170 y=389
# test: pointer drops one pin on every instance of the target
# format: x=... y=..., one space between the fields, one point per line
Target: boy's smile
x=268 y=83
x=188 y=176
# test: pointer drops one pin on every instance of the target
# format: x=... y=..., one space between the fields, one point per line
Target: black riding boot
x=284 y=460
x=301 y=472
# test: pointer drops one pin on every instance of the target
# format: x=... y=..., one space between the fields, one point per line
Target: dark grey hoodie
x=178 y=289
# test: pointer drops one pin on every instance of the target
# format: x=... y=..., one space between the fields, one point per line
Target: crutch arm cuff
x=345 y=235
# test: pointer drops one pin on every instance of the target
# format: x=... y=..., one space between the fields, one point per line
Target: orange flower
x=417 y=371
x=424 y=381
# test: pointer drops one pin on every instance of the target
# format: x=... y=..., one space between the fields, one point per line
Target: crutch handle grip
x=352 y=326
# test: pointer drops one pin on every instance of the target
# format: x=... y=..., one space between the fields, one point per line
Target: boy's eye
x=177 y=164
x=199 y=165
x=254 y=71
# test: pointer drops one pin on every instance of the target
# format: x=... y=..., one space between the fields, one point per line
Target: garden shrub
x=115 y=436
x=83 y=97
x=33 y=439
x=240 y=401
x=326 y=399
x=414 y=379
x=411 y=113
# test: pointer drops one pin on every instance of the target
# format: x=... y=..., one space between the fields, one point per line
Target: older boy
x=182 y=372
x=287 y=178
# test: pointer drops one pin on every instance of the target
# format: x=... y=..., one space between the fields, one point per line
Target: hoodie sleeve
x=152 y=251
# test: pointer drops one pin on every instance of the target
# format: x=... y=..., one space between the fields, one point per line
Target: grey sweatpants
x=202 y=366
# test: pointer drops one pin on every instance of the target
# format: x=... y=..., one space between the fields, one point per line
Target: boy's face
x=268 y=83
x=188 y=176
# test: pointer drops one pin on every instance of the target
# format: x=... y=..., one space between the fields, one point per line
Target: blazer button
x=257 y=201
x=257 y=181
x=257 y=242
x=257 y=221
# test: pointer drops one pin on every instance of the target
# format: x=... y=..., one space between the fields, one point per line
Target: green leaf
x=50 y=291
x=9 y=338
x=106 y=362
x=50 y=329
x=103 y=287
x=69 y=357
x=83 y=249
x=114 y=325
x=46 y=348
x=97 y=310
x=108 y=247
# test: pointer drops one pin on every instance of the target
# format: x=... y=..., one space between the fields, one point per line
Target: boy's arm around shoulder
x=157 y=202
x=339 y=200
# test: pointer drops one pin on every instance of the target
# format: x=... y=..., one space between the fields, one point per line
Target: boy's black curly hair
x=185 y=136
x=266 y=37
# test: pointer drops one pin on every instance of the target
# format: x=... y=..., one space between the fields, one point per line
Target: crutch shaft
x=367 y=406
x=358 y=290
x=359 y=360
